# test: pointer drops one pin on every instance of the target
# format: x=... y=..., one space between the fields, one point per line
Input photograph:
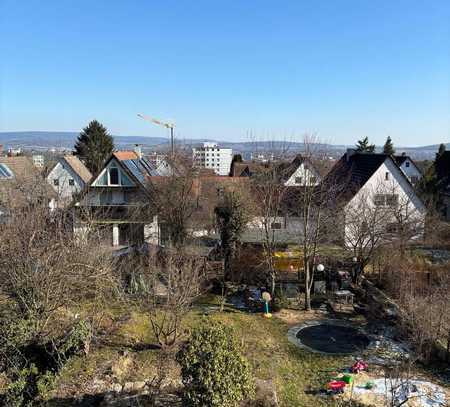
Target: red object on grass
x=359 y=366
x=336 y=385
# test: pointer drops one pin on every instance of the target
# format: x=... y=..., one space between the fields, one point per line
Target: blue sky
x=340 y=69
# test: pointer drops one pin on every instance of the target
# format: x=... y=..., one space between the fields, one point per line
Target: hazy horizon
x=223 y=69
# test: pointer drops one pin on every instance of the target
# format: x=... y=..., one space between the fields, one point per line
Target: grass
x=264 y=344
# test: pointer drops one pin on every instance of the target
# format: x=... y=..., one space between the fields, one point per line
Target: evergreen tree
x=363 y=146
x=442 y=149
x=94 y=145
x=389 y=147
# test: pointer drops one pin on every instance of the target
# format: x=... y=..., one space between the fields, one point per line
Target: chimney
x=349 y=153
x=138 y=150
x=1 y=149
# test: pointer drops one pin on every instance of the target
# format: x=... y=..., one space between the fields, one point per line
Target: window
x=407 y=164
x=392 y=228
x=113 y=176
x=275 y=225
x=414 y=180
x=71 y=182
x=385 y=200
x=386 y=176
x=298 y=180
x=56 y=182
x=391 y=200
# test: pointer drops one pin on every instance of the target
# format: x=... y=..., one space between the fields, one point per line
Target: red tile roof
x=125 y=155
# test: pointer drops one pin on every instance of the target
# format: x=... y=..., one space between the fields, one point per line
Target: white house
x=299 y=173
x=211 y=156
x=375 y=195
x=113 y=199
x=68 y=177
x=409 y=168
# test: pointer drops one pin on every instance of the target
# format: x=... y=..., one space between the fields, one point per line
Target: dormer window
x=113 y=176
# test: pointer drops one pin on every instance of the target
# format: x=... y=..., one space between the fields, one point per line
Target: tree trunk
x=307 y=288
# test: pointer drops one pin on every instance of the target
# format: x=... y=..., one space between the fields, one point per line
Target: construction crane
x=170 y=126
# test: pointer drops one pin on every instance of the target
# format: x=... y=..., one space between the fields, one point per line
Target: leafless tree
x=173 y=199
x=377 y=216
x=169 y=282
x=313 y=204
x=43 y=266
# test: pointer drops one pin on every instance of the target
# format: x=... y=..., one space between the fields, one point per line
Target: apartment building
x=211 y=156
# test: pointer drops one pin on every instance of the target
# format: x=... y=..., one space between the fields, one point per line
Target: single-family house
x=113 y=199
x=20 y=184
x=409 y=168
x=300 y=172
x=68 y=177
x=371 y=187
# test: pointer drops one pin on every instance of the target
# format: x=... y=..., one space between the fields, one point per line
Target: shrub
x=213 y=370
x=76 y=341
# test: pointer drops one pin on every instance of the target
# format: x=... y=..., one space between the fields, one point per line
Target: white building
x=409 y=168
x=299 y=173
x=38 y=160
x=211 y=156
x=68 y=177
x=376 y=196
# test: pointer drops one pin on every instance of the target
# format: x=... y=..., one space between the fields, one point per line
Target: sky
x=229 y=70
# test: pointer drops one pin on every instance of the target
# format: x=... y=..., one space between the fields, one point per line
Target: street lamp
x=320 y=268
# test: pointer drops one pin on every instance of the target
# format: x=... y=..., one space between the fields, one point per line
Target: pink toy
x=359 y=366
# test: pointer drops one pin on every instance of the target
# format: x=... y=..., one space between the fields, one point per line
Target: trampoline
x=332 y=339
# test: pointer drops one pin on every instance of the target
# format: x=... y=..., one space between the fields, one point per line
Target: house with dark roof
x=68 y=177
x=300 y=172
x=409 y=168
x=370 y=184
x=442 y=170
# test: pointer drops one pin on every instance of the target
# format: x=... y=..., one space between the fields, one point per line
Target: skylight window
x=5 y=172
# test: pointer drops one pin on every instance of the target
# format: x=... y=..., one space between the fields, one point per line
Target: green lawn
x=264 y=343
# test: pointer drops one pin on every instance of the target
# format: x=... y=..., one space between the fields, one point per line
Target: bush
x=213 y=370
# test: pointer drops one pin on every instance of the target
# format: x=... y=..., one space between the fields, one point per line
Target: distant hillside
x=44 y=140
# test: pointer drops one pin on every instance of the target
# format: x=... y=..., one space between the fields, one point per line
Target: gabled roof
x=354 y=169
x=78 y=167
x=400 y=159
x=20 y=166
x=286 y=170
x=247 y=169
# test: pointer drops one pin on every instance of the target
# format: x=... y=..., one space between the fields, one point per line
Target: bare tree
x=166 y=283
x=173 y=199
x=43 y=266
x=312 y=204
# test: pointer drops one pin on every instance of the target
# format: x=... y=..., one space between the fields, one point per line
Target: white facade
x=384 y=199
x=411 y=171
x=38 y=160
x=211 y=156
x=303 y=176
x=65 y=181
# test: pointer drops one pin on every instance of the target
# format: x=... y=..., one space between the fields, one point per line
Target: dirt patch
x=294 y=317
